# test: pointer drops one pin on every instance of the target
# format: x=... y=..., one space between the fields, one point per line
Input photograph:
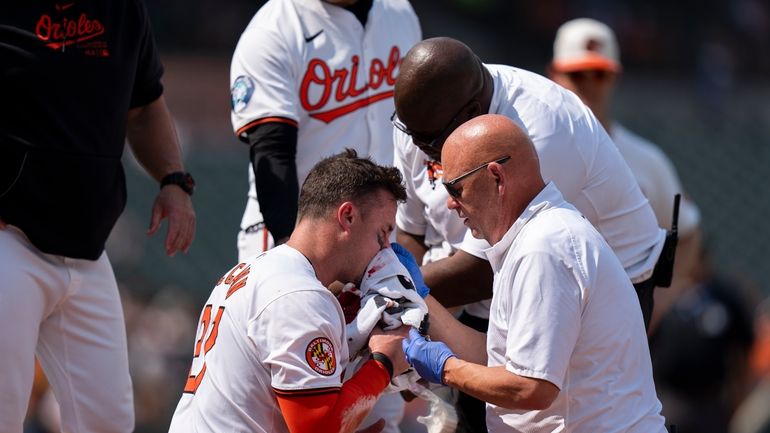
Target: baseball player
x=443 y=84
x=271 y=352
x=77 y=78
x=586 y=60
x=310 y=78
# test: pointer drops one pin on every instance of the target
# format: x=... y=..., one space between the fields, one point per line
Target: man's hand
x=389 y=343
x=174 y=204
x=3 y=225
x=427 y=357
x=407 y=259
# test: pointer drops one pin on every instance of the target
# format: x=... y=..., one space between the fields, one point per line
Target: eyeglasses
x=437 y=142
x=422 y=141
x=450 y=185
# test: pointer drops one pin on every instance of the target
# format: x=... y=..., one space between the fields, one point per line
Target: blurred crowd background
x=695 y=83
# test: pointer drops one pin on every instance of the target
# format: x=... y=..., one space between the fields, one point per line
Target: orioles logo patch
x=435 y=171
x=320 y=356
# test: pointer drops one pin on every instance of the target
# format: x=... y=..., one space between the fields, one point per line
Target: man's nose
x=451 y=203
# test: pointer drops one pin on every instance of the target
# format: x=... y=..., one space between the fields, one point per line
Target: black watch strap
x=180 y=178
x=385 y=361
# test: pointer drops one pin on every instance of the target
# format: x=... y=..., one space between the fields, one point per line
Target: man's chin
x=476 y=233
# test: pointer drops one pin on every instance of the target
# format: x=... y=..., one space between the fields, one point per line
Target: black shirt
x=69 y=72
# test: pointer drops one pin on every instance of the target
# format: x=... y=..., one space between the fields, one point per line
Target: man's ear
x=499 y=175
x=346 y=214
x=474 y=110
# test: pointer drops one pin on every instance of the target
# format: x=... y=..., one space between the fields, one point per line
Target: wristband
x=181 y=179
x=385 y=361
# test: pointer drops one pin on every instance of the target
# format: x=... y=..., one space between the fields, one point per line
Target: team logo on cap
x=320 y=356
x=594 y=45
x=240 y=93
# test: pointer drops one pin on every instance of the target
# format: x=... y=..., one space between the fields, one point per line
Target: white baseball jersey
x=564 y=311
x=268 y=325
x=575 y=153
x=657 y=178
x=313 y=65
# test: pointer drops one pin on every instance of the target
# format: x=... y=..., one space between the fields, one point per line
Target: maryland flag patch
x=320 y=356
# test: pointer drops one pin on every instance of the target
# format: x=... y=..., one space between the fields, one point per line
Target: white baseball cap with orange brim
x=585 y=44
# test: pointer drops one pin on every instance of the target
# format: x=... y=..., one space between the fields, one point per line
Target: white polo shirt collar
x=547 y=198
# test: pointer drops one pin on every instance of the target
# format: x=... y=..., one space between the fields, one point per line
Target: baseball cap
x=583 y=44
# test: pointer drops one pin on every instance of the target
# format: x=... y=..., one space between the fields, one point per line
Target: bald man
x=443 y=84
x=566 y=348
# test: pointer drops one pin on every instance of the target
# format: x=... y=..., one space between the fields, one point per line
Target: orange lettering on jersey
x=194 y=380
x=230 y=275
x=342 y=82
x=214 y=330
x=238 y=281
x=205 y=320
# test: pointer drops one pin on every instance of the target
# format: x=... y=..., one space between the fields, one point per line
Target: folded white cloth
x=388 y=297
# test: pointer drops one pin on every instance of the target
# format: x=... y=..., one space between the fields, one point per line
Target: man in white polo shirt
x=566 y=348
x=586 y=60
x=443 y=84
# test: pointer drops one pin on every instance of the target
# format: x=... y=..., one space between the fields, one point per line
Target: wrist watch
x=182 y=179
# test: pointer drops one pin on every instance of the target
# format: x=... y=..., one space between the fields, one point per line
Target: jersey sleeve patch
x=241 y=92
x=320 y=356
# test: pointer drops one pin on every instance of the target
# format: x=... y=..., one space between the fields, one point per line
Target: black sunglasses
x=450 y=185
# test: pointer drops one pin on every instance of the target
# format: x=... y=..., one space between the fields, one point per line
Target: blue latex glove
x=427 y=357
x=407 y=259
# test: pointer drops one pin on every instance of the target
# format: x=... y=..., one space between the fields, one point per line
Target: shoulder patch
x=240 y=93
x=320 y=356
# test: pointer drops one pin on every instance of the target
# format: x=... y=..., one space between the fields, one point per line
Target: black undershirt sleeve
x=273 y=159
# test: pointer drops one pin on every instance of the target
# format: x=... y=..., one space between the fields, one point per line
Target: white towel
x=388 y=297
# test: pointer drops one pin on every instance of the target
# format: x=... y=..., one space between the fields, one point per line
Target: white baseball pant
x=68 y=312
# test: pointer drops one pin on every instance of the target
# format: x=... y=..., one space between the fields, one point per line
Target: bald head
x=491 y=202
x=486 y=138
x=438 y=79
x=433 y=71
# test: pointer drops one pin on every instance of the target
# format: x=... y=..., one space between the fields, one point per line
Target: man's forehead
x=448 y=162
